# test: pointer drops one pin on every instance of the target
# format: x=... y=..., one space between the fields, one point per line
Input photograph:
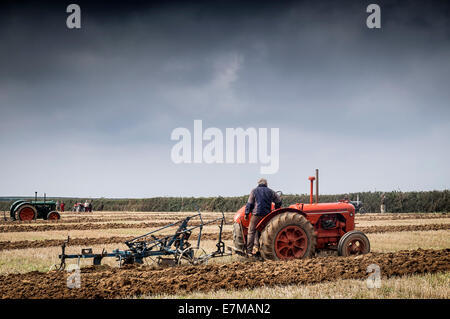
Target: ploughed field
x=412 y=251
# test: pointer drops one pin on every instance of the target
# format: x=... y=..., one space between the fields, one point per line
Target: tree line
x=396 y=202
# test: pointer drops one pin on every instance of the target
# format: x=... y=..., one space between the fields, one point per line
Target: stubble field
x=412 y=251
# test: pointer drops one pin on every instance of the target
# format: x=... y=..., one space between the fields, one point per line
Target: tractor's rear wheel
x=54 y=215
x=26 y=212
x=288 y=236
x=353 y=243
x=238 y=237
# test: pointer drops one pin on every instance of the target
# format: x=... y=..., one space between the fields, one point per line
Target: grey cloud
x=132 y=74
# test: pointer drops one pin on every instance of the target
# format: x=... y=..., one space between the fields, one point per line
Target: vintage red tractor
x=299 y=230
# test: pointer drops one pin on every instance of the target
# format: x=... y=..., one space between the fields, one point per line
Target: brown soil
x=72 y=221
x=55 y=226
x=81 y=220
x=402 y=216
x=87 y=226
x=23 y=244
x=397 y=228
x=106 y=282
x=86 y=218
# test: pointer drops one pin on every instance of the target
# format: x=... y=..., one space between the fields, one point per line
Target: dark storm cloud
x=136 y=70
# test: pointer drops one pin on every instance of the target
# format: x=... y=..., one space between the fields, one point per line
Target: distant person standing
x=62 y=205
x=86 y=206
x=90 y=207
x=383 y=204
x=57 y=205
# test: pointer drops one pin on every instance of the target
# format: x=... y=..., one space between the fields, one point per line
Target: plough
x=171 y=249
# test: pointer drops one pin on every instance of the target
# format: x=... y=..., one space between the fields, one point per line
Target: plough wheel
x=193 y=255
x=26 y=212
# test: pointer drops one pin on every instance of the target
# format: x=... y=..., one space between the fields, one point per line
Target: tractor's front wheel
x=353 y=243
x=26 y=212
x=53 y=215
x=288 y=236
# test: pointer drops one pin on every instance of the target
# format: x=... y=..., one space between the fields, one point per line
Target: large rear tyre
x=353 y=243
x=26 y=212
x=288 y=236
x=238 y=237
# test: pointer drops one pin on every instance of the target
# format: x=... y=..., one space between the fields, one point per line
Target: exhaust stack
x=311 y=195
x=311 y=178
x=317 y=185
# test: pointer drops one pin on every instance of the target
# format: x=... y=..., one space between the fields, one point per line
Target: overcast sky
x=89 y=112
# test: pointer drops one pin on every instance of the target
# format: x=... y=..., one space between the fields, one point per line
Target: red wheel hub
x=53 y=216
x=26 y=214
x=291 y=242
x=355 y=247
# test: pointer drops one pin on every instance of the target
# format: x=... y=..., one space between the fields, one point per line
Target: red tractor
x=299 y=230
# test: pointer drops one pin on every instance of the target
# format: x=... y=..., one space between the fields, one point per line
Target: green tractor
x=31 y=210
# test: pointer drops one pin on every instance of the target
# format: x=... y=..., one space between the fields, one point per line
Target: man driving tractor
x=259 y=204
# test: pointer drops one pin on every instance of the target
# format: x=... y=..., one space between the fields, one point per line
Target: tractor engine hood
x=325 y=207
